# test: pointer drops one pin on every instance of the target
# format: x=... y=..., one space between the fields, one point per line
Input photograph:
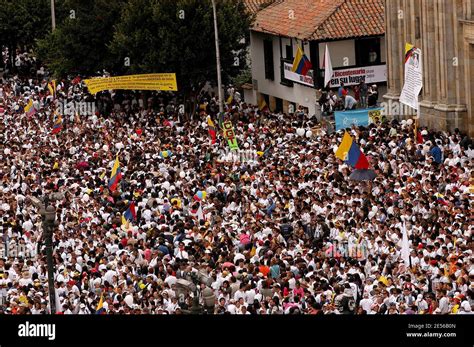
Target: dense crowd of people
x=348 y=98
x=280 y=231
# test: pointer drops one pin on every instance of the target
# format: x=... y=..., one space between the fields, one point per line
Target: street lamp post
x=48 y=214
x=53 y=16
x=49 y=223
x=196 y=307
x=218 y=60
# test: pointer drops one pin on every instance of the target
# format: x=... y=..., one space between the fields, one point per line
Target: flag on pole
x=418 y=137
x=212 y=129
x=405 y=252
x=100 y=306
x=29 y=108
x=344 y=147
x=350 y=152
x=125 y=222
x=301 y=63
x=115 y=176
x=52 y=88
x=58 y=125
x=409 y=51
x=328 y=72
x=197 y=212
x=200 y=214
x=440 y=199
x=130 y=214
x=262 y=105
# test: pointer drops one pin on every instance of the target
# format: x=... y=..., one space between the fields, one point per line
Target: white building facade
x=273 y=43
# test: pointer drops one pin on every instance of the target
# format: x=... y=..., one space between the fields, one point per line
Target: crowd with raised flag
x=158 y=215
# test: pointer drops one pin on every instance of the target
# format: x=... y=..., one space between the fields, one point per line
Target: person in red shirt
x=298 y=291
x=264 y=270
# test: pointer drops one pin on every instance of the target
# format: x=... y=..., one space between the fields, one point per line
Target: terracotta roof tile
x=354 y=18
x=322 y=19
x=253 y=6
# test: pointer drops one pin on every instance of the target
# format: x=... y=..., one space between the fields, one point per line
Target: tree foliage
x=154 y=35
x=22 y=22
x=178 y=36
x=79 y=45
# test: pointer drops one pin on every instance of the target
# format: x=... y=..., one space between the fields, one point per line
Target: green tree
x=79 y=45
x=178 y=36
x=22 y=22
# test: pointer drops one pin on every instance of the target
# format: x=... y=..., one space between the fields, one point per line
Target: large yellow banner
x=153 y=81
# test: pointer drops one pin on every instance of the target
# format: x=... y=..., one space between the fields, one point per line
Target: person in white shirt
x=180 y=252
x=443 y=302
x=350 y=102
x=250 y=295
x=366 y=303
x=240 y=293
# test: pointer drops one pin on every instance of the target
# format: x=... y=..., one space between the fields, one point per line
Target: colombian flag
x=212 y=130
x=418 y=137
x=115 y=176
x=30 y=109
x=409 y=49
x=351 y=153
x=440 y=199
x=100 y=306
x=58 y=125
x=344 y=147
x=52 y=88
x=262 y=105
x=130 y=214
x=301 y=64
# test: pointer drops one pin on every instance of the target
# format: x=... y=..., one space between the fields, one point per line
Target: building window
x=283 y=80
x=268 y=57
x=289 y=52
x=278 y=105
x=417 y=28
x=367 y=51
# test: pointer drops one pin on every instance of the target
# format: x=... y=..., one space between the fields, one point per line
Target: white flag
x=405 y=252
x=327 y=67
x=200 y=214
x=58 y=303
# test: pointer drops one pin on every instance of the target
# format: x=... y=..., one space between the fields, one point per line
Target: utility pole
x=218 y=60
x=53 y=16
